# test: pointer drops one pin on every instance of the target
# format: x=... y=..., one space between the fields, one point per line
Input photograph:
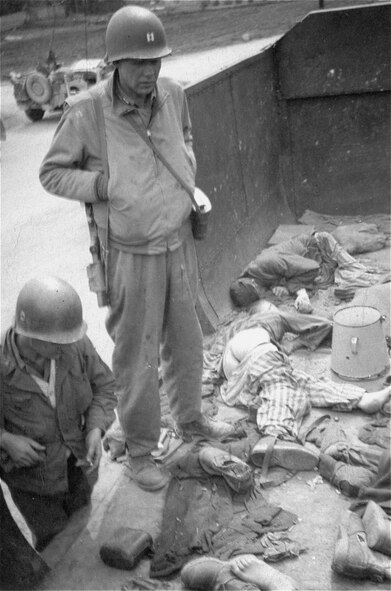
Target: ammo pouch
x=126 y=547
x=96 y=282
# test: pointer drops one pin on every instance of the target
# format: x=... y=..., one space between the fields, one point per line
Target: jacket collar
x=120 y=108
x=14 y=366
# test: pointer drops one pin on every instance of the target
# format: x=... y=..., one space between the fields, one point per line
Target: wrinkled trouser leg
x=48 y=515
x=153 y=302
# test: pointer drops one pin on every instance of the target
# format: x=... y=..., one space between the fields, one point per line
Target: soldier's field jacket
x=85 y=399
x=149 y=210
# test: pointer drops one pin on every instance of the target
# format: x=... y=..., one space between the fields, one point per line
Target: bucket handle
x=354 y=345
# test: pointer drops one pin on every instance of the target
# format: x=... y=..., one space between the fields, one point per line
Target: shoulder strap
x=148 y=140
x=101 y=127
x=100 y=118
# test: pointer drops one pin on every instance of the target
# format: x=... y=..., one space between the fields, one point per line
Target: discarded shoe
x=211 y=574
x=352 y=556
x=378 y=528
x=237 y=474
x=286 y=454
x=348 y=479
x=146 y=473
x=209 y=428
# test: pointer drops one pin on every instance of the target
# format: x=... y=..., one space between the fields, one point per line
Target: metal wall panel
x=336 y=52
x=340 y=154
x=304 y=123
x=334 y=82
x=236 y=141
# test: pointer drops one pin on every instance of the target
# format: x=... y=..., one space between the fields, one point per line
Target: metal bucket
x=358 y=350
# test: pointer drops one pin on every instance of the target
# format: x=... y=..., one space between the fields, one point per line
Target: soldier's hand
x=94 y=449
x=23 y=451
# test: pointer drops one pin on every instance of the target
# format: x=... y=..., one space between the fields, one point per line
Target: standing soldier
x=149 y=248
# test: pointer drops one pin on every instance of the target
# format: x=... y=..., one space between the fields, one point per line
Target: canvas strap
x=146 y=136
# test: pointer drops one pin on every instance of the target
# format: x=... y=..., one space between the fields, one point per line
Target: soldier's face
x=138 y=77
x=46 y=350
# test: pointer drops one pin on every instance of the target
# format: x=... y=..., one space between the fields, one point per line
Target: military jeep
x=46 y=88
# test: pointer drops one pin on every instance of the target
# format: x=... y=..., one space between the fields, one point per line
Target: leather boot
x=146 y=473
x=352 y=555
x=211 y=574
x=378 y=528
x=208 y=428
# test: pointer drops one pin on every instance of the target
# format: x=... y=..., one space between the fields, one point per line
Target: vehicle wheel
x=35 y=114
x=38 y=88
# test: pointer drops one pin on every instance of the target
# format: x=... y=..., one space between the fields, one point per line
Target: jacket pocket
x=82 y=392
x=18 y=403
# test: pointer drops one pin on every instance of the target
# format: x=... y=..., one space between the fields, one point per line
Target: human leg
x=137 y=291
x=21 y=567
x=80 y=486
x=181 y=352
x=45 y=515
x=253 y=570
x=325 y=393
x=281 y=408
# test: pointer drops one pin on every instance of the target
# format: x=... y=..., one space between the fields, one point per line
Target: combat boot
x=146 y=473
x=208 y=428
x=352 y=555
x=378 y=528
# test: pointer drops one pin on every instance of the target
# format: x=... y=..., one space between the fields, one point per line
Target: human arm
x=22 y=451
x=72 y=167
x=94 y=448
x=302 y=302
x=100 y=413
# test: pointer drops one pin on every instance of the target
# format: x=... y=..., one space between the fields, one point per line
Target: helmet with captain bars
x=134 y=32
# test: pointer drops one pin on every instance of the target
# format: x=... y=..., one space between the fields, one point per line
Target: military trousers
x=152 y=320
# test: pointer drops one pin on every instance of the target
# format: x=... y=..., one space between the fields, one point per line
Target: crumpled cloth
x=203 y=516
x=358 y=238
x=194 y=511
x=379 y=490
x=327 y=222
x=332 y=440
x=377 y=432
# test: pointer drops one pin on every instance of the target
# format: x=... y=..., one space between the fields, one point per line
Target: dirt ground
x=76 y=39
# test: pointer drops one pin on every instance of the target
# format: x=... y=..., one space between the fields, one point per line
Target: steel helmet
x=49 y=309
x=137 y=33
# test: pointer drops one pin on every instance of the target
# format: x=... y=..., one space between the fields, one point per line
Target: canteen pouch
x=97 y=282
x=126 y=548
x=200 y=214
x=199 y=224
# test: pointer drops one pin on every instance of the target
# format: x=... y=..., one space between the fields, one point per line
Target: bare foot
x=373 y=401
x=249 y=568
